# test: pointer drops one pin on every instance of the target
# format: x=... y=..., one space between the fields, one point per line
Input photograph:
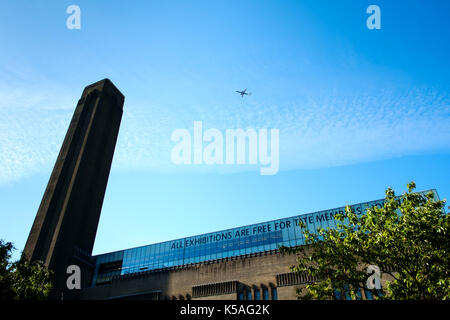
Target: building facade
x=242 y=263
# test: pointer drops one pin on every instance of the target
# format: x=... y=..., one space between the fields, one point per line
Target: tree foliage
x=22 y=280
x=408 y=239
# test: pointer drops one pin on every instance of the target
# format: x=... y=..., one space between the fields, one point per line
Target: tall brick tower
x=64 y=229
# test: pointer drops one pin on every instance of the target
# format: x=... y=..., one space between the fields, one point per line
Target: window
x=249 y=294
x=369 y=295
x=358 y=294
x=114 y=266
x=257 y=294
x=345 y=294
x=274 y=294
x=265 y=293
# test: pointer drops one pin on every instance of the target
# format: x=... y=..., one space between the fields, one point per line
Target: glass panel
x=358 y=294
x=265 y=293
x=274 y=294
x=347 y=293
x=329 y=217
x=369 y=295
x=337 y=294
x=358 y=210
x=232 y=242
x=364 y=207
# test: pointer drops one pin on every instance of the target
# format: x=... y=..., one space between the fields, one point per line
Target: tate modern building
x=242 y=263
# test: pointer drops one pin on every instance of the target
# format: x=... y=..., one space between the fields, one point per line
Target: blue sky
x=358 y=110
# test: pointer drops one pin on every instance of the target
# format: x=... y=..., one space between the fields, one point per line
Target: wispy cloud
x=322 y=130
x=317 y=129
x=31 y=133
x=339 y=130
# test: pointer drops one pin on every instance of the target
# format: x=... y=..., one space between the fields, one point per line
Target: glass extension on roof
x=238 y=241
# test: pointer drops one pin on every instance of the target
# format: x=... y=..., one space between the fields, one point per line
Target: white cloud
x=30 y=134
x=324 y=129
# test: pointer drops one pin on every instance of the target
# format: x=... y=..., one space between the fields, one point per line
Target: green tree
x=408 y=239
x=22 y=280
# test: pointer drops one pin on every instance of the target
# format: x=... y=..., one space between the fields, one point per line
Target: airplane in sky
x=243 y=92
